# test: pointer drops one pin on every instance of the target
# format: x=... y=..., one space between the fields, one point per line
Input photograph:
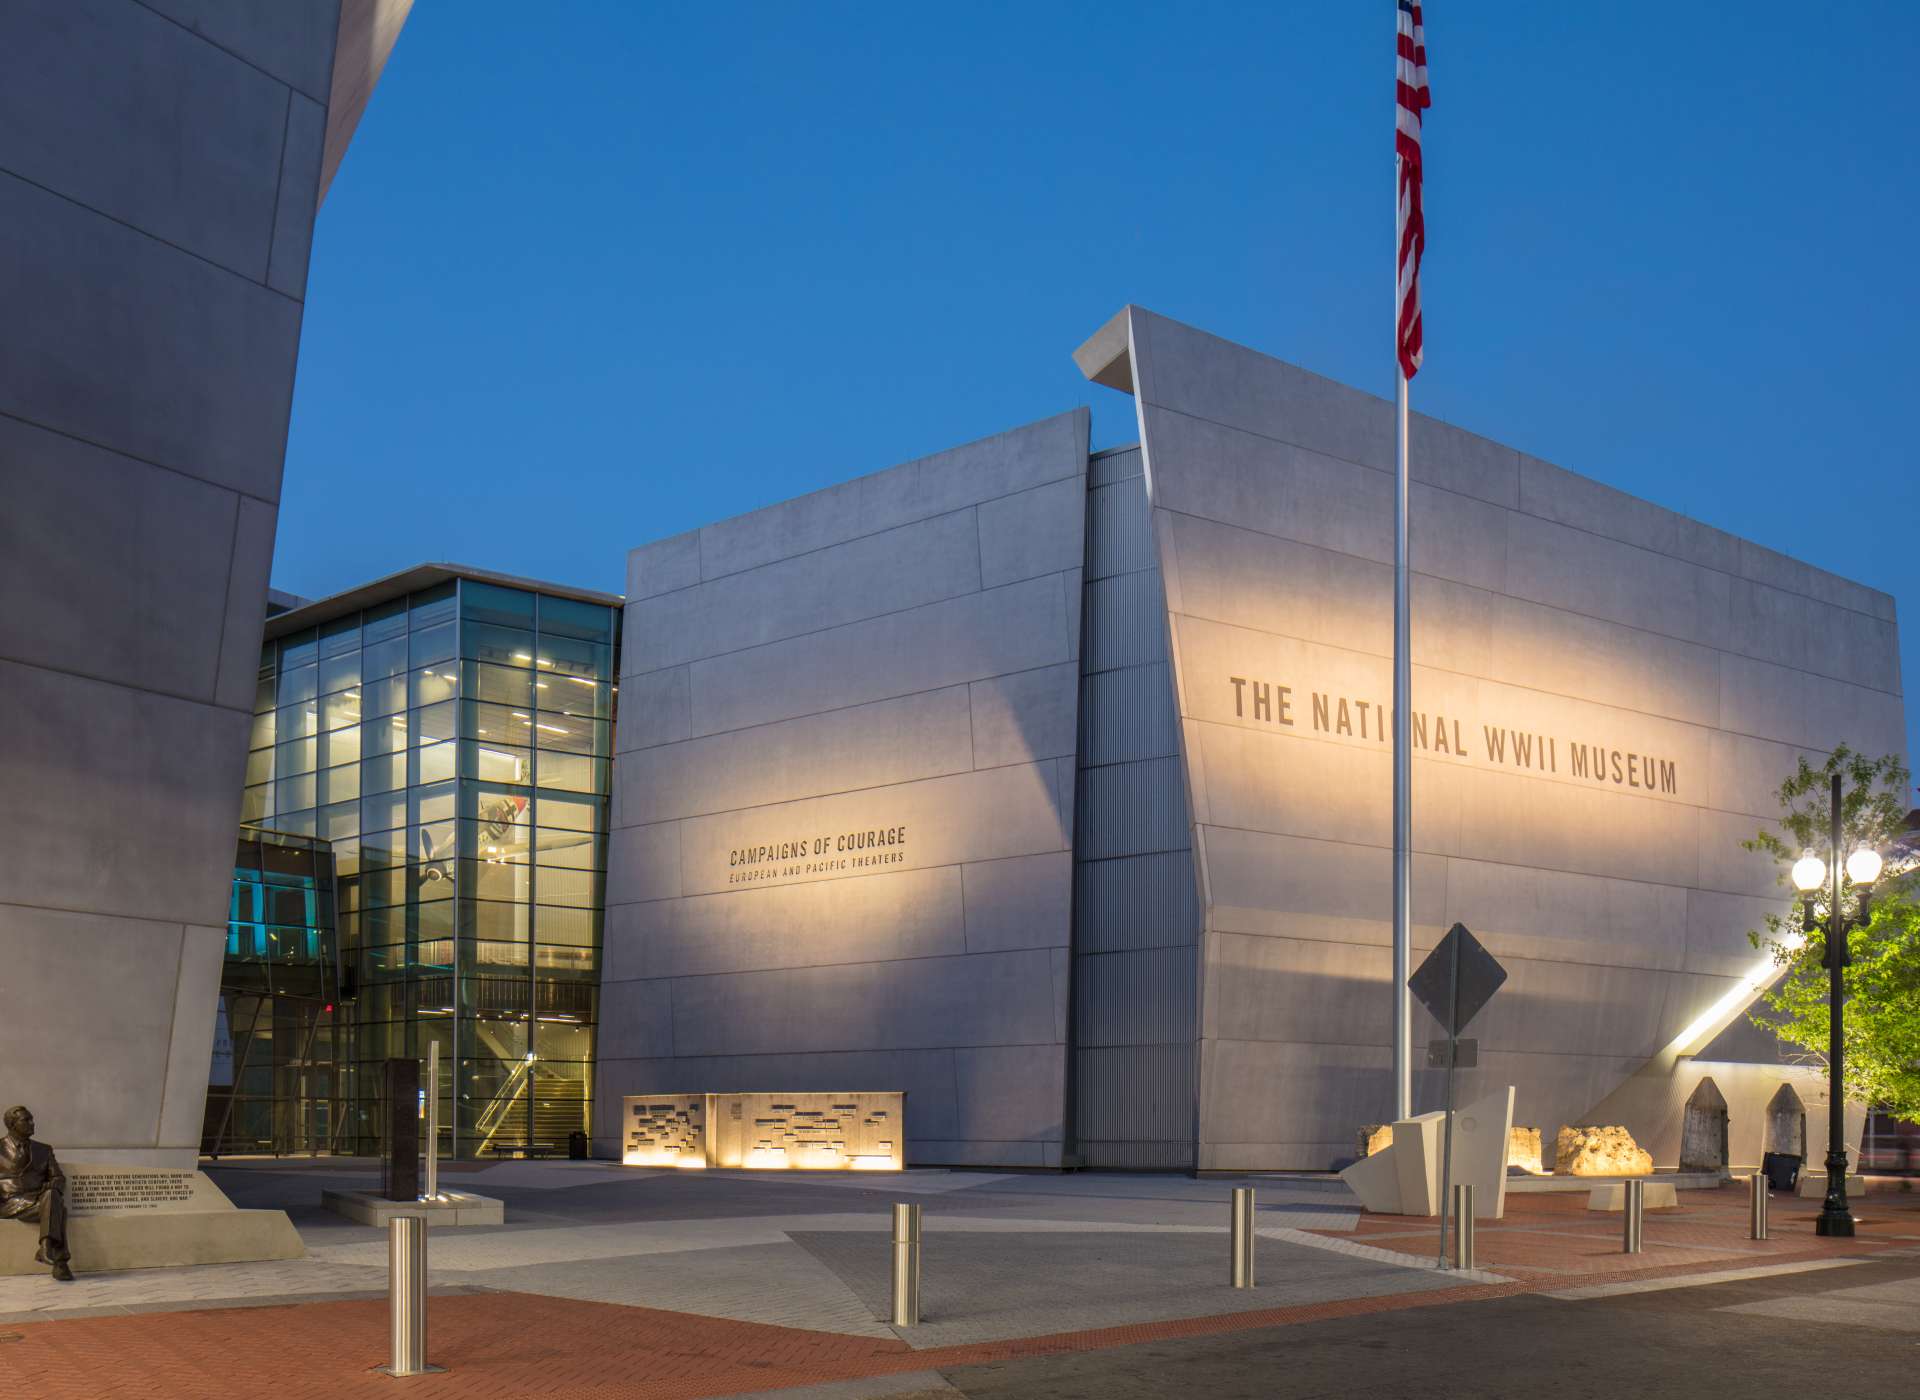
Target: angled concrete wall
x=1605 y=696
x=894 y=660
x=159 y=165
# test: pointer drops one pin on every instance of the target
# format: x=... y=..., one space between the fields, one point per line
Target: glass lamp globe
x=1809 y=873
x=1863 y=866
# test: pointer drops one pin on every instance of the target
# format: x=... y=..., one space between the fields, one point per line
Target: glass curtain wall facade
x=275 y=1085
x=454 y=747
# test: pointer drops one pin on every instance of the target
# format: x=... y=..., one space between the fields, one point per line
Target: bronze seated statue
x=32 y=1187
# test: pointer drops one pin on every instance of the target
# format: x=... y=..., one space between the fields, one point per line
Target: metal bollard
x=1463 y=1225
x=1241 y=1247
x=906 y=1266
x=1757 y=1206
x=407 y=1297
x=1633 y=1216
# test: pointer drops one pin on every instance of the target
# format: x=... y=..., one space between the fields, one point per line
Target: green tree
x=1882 y=983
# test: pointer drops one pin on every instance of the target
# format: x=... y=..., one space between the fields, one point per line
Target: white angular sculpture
x=1404 y=1178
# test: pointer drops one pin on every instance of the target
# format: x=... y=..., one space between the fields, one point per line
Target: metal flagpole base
x=427 y=1370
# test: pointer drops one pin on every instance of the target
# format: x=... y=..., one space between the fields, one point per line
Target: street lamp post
x=1809 y=874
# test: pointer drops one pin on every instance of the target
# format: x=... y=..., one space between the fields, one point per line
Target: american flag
x=1411 y=98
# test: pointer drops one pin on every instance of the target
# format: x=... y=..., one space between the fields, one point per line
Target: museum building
x=1050 y=787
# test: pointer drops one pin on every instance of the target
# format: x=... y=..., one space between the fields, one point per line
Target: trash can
x=1782 y=1170
x=577 y=1145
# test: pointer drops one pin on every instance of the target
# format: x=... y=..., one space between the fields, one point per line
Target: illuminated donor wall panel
x=843 y=786
x=836 y=1131
x=1605 y=696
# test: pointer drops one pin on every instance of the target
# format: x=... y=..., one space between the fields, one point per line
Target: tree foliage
x=1881 y=1025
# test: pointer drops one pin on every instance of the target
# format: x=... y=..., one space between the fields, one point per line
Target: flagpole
x=1402 y=781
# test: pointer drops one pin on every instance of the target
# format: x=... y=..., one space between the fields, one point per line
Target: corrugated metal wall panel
x=1136 y=910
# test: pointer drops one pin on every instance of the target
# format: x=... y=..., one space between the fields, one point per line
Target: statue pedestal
x=141 y=1218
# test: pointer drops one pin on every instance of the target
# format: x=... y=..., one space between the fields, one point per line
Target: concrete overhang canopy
x=1106 y=356
x=365 y=39
x=414 y=580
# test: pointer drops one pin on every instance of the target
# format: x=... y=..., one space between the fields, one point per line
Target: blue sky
x=601 y=272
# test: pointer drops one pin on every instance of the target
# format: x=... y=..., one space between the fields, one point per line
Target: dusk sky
x=606 y=272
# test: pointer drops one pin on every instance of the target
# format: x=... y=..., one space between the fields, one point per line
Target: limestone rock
x=1375 y=1137
x=1523 y=1151
x=1598 y=1151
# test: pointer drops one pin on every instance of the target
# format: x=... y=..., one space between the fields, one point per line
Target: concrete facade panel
x=1025 y=716
x=196 y=995
x=137 y=796
x=1021 y=902
x=299 y=197
x=291 y=39
x=1041 y=531
x=140 y=348
x=116 y=554
x=868 y=746
x=181 y=142
x=876 y=574
x=993 y=632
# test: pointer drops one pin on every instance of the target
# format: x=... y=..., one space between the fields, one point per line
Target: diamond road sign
x=1460 y=976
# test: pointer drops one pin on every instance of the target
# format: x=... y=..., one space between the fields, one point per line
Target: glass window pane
x=572 y=734
x=291 y=794
x=500 y=646
x=575 y=850
x=433 y=606
x=387 y=620
x=435 y=841
x=298 y=684
x=263 y=692
x=384 y=735
x=503 y=685
x=297 y=757
x=495 y=763
x=259 y=765
x=343 y=746
x=434 y=722
x=340 y=784
x=573 y=772
x=435 y=762
x=566 y=656
x=342 y=819
x=573 y=813
x=339 y=672
x=489 y=602
x=339 y=637
x=485 y=879
x=380 y=774
x=384 y=658
x=569 y=617
x=432 y=684
x=295 y=823
x=263 y=730
x=433 y=804
x=577 y=927
x=576 y=695
x=483 y=918
x=340 y=709
x=254 y=803
x=579 y=888
x=298 y=721
x=430 y=645
x=383 y=812
x=497 y=723
x=384 y=697
x=301 y=649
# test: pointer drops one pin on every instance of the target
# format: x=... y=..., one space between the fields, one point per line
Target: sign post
x=1458 y=978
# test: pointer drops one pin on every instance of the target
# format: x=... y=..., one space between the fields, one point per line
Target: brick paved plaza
x=610 y=1282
